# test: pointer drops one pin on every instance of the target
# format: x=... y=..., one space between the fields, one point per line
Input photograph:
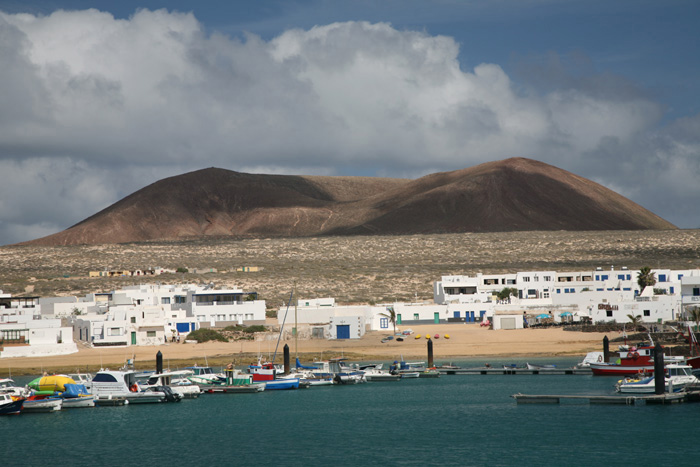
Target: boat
x=676 y=378
x=265 y=372
x=9 y=404
x=344 y=374
x=236 y=383
x=7 y=386
x=632 y=360
x=112 y=387
x=530 y=366
x=415 y=370
x=591 y=357
x=205 y=375
x=42 y=403
x=177 y=380
x=77 y=396
x=375 y=373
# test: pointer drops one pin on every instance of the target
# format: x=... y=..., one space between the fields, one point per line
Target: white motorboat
x=375 y=373
x=7 y=386
x=111 y=386
x=205 y=375
x=677 y=377
x=177 y=380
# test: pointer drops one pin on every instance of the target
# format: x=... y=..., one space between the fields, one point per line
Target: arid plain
x=359 y=269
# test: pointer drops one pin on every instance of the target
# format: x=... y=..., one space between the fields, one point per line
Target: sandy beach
x=464 y=341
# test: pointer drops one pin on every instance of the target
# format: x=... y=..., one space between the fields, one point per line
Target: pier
x=638 y=399
x=514 y=371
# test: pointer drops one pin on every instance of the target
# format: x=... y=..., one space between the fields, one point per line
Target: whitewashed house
x=23 y=332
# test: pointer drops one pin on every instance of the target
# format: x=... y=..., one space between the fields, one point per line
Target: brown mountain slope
x=514 y=194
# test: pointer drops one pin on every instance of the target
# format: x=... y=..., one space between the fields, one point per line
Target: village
x=155 y=314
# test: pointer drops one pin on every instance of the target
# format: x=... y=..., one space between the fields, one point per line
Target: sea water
x=451 y=420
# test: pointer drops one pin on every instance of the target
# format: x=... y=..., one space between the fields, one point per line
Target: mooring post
x=159 y=362
x=606 y=349
x=287 y=366
x=430 y=353
x=659 y=376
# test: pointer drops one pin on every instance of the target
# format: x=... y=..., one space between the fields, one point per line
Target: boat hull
x=79 y=402
x=42 y=405
x=240 y=389
x=12 y=408
x=611 y=369
x=280 y=384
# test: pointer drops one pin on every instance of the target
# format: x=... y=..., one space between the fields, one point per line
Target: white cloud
x=85 y=96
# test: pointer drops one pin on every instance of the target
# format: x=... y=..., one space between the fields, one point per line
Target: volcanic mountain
x=510 y=195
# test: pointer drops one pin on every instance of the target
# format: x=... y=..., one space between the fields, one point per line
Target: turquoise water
x=452 y=420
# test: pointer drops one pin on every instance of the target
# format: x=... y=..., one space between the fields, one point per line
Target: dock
x=637 y=399
x=514 y=371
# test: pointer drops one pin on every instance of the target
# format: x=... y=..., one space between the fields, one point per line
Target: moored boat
x=113 y=386
x=633 y=360
x=42 y=403
x=267 y=373
x=375 y=373
x=9 y=404
x=676 y=378
x=177 y=380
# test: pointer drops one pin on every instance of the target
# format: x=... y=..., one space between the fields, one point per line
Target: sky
x=99 y=99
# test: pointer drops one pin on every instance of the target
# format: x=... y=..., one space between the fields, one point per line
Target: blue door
x=343 y=331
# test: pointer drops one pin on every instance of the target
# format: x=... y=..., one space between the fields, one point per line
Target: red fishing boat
x=632 y=361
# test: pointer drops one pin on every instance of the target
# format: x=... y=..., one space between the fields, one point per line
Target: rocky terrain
x=353 y=269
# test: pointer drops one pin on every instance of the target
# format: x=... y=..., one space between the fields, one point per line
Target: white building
x=23 y=332
x=598 y=295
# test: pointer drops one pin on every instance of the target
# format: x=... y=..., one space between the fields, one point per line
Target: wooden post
x=430 y=353
x=606 y=349
x=287 y=366
x=659 y=376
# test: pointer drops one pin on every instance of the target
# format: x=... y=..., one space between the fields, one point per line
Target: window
x=547 y=278
x=526 y=279
x=671 y=289
x=662 y=277
x=604 y=277
x=621 y=277
x=679 y=276
x=133 y=319
x=165 y=300
x=629 y=277
x=696 y=291
x=384 y=323
x=647 y=312
x=608 y=313
x=150 y=334
x=558 y=290
x=597 y=277
x=415 y=316
x=114 y=332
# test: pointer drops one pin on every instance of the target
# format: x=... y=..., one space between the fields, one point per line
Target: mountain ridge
x=516 y=194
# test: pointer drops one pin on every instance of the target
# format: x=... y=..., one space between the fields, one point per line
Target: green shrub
x=206 y=335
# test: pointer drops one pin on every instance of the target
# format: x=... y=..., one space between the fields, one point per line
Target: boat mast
x=296 y=325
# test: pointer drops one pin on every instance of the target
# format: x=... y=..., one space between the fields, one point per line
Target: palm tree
x=636 y=321
x=695 y=316
x=391 y=314
x=645 y=278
